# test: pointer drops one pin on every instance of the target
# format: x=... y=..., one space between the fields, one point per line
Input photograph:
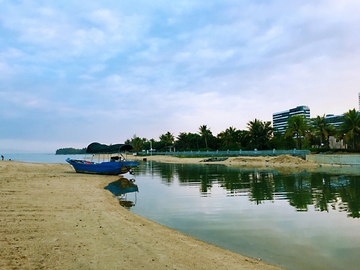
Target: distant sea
x=40 y=158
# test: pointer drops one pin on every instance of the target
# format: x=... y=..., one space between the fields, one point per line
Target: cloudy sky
x=74 y=72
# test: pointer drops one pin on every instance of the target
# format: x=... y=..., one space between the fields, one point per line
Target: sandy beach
x=54 y=218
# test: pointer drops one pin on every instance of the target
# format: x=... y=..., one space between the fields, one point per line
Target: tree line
x=300 y=132
x=70 y=151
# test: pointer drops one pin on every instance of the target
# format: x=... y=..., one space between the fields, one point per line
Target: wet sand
x=54 y=218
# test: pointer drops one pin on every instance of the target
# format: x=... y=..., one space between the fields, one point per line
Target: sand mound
x=287 y=159
x=241 y=159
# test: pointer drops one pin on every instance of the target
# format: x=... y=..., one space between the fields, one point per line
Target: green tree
x=137 y=143
x=330 y=131
x=350 y=128
x=260 y=133
x=297 y=125
x=188 y=141
x=183 y=141
x=228 y=136
x=323 y=129
x=70 y=151
x=155 y=145
x=319 y=124
x=167 y=138
x=278 y=141
x=233 y=135
x=232 y=139
x=205 y=133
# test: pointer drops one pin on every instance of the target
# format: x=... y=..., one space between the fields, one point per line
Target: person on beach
x=2 y=157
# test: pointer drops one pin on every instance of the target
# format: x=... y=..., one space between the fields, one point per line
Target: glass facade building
x=335 y=120
x=280 y=118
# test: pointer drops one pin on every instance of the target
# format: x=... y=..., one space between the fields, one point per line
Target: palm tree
x=350 y=128
x=205 y=133
x=330 y=131
x=228 y=136
x=188 y=141
x=323 y=128
x=260 y=133
x=167 y=138
x=183 y=141
x=297 y=125
x=319 y=123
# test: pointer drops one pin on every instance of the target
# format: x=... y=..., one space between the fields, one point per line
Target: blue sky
x=74 y=72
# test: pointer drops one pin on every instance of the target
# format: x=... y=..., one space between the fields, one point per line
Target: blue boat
x=116 y=165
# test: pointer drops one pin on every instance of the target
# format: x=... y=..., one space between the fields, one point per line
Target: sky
x=76 y=72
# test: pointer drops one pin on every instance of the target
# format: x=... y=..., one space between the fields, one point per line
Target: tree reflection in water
x=323 y=191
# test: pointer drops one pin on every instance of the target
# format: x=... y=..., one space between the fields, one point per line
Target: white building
x=280 y=118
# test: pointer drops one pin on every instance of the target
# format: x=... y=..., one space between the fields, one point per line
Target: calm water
x=40 y=158
x=298 y=221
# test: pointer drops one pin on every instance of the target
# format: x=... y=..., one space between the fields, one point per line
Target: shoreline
x=52 y=217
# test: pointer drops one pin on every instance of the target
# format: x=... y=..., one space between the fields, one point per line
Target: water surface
x=41 y=158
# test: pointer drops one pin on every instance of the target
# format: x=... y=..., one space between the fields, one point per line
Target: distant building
x=280 y=118
x=335 y=120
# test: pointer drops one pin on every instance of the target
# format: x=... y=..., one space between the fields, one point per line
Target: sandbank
x=54 y=218
x=282 y=163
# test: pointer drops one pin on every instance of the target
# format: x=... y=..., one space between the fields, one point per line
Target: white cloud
x=6 y=71
x=11 y=53
x=106 y=19
x=160 y=66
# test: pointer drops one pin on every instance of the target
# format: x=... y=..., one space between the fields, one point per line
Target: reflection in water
x=120 y=190
x=323 y=191
x=297 y=220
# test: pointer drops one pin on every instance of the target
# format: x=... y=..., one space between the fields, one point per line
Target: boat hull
x=110 y=168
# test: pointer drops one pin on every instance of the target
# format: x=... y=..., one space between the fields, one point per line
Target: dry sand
x=54 y=218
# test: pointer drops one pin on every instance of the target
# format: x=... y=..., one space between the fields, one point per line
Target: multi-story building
x=280 y=118
x=335 y=120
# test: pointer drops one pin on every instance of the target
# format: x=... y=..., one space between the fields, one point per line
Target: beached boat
x=116 y=165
